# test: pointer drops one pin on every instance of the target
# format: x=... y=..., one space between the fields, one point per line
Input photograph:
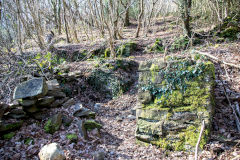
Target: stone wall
x=171 y=117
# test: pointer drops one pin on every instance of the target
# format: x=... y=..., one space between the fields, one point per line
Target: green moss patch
x=72 y=137
x=92 y=124
x=8 y=136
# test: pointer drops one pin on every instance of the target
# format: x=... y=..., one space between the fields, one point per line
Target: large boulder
x=34 y=88
x=181 y=98
x=51 y=151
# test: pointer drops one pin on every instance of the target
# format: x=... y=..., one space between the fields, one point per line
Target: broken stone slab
x=51 y=151
x=69 y=103
x=34 y=88
x=45 y=101
x=53 y=124
x=82 y=129
x=81 y=112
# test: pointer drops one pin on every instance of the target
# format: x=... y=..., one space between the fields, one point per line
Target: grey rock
x=145 y=97
x=56 y=94
x=53 y=85
x=36 y=87
x=3 y=109
x=81 y=112
x=58 y=102
x=97 y=106
x=69 y=103
x=99 y=155
x=27 y=102
x=6 y=127
x=17 y=113
x=45 y=101
x=82 y=129
x=51 y=151
x=32 y=109
x=66 y=120
x=53 y=124
x=131 y=117
x=39 y=115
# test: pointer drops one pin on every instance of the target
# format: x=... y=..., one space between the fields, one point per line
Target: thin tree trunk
x=65 y=21
x=59 y=18
x=139 y=18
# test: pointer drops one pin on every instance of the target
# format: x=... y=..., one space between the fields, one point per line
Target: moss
x=154 y=71
x=53 y=124
x=29 y=141
x=157 y=47
x=230 y=32
x=8 y=136
x=162 y=143
x=72 y=137
x=91 y=124
x=10 y=126
x=190 y=137
x=126 y=49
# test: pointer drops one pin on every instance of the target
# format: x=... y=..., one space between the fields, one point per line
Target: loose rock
x=51 y=151
x=36 y=87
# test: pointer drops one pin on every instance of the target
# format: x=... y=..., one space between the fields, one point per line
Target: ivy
x=175 y=76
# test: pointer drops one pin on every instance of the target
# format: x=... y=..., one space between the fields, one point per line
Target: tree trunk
x=186 y=8
x=126 y=19
x=65 y=21
x=59 y=18
x=139 y=18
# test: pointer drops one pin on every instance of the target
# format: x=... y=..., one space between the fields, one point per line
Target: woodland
x=120 y=79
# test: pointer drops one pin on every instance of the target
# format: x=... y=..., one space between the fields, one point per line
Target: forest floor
x=117 y=138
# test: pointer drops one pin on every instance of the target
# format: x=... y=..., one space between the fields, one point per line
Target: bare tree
x=141 y=9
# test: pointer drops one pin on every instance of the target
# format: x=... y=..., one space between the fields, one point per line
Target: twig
x=199 y=139
x=218 y=60
x=237 y=108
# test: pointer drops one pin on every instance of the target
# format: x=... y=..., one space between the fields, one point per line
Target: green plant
x=175 y=76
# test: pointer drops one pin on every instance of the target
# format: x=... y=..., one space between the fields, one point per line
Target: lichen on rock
x=182 y=96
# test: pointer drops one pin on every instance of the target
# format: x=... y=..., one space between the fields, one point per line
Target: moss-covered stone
x=126 y=49
x=8 y=136
x=173 y=119
x=91 y=124
x=72 y=137
x=7 y=127
x=107 y=79
x=53 y=124
x=157 y=47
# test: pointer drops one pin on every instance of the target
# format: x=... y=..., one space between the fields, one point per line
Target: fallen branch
x=199 y=139
x=218 y=60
